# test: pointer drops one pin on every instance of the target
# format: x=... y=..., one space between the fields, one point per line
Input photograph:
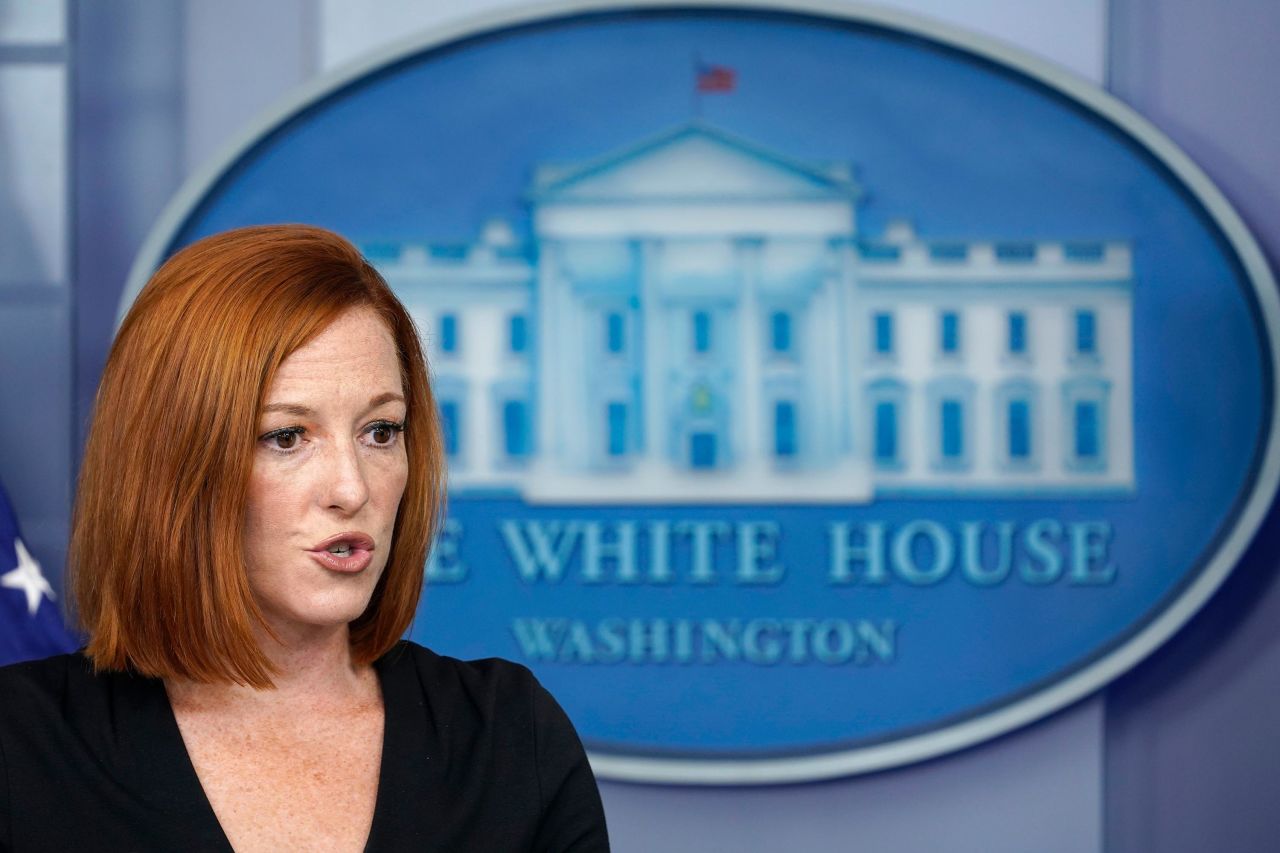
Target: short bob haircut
x=158 y=577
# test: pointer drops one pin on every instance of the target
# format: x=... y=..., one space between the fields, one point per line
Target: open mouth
x=346 y=552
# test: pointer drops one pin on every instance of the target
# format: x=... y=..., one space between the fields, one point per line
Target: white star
x=27 y=578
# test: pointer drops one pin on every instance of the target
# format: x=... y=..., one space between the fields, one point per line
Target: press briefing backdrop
x=1118 y=316
x=769 y=403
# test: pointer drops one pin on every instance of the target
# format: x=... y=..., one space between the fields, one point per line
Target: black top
x=476 y=756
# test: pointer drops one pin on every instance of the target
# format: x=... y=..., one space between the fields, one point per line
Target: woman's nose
x=346 y=485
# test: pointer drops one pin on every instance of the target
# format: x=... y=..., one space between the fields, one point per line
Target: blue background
x=432 y=148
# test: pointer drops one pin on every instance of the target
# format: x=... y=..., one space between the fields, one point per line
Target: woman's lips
x=355 y=560
x=354 y=557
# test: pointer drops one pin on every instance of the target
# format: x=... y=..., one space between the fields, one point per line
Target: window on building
x=701 y=331
x=1017 y=333
x=784 y=429
x=951 y=415
x=780 y=332
x=702 y=450
x=1086 y=332
x=1019 y=430
x=1016 y=252
x=1088 y=445
x=1085 y=426
x=882 y=332
x=1084 y=251
x=949 y=333
x=449 y=333
x=886 y=437
x=948 y=251
x=886 y=402
x=1015 y=414
x=615 y=332
x=616 y=426
x=518 y=334
x=449 y=426
x=950 y=422
x=515 y=428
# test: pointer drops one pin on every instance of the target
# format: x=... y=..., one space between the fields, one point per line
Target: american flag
x=30 y=622
x=716 y=78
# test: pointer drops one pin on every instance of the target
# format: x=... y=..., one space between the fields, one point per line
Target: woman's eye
x=384 y=434
x=284 y=439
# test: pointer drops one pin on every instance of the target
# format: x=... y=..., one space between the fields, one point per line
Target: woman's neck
x=314 y=671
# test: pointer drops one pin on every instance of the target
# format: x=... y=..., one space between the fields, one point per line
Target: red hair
x=157 y=573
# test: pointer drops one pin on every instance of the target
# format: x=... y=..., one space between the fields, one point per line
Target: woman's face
x=328 y=472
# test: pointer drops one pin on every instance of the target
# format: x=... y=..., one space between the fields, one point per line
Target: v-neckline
x=189 y=795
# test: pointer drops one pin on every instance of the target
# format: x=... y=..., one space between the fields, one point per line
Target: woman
x=261 y=483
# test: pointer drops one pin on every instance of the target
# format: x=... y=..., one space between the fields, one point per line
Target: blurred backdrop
x=107 y=108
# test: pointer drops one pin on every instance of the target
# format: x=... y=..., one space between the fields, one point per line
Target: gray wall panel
x=1034 y=790
x=128 y=160
x=1193 y=735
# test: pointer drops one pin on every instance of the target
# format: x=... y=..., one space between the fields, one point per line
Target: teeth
x=340 y=550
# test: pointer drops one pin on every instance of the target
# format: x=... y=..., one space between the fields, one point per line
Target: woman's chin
x=311 y=617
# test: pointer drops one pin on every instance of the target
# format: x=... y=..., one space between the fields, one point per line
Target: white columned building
x=695 y=318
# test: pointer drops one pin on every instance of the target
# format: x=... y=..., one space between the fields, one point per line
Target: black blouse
x=476 y=756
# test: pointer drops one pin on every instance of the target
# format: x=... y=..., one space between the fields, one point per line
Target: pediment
x=692 y=162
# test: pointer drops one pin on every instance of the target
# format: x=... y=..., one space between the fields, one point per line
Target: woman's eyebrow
x=289 y=409
x=387 y=397
x=302 y=411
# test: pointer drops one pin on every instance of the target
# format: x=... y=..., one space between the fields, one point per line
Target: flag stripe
x=716 y=78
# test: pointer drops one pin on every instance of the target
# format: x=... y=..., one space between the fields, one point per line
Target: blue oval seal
x=825 y=390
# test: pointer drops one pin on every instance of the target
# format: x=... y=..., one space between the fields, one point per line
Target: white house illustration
x=698 y=319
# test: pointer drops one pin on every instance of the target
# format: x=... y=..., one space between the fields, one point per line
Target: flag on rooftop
x=716 y=78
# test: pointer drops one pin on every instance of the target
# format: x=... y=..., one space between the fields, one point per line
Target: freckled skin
x=296 y=768
x=333 y=482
